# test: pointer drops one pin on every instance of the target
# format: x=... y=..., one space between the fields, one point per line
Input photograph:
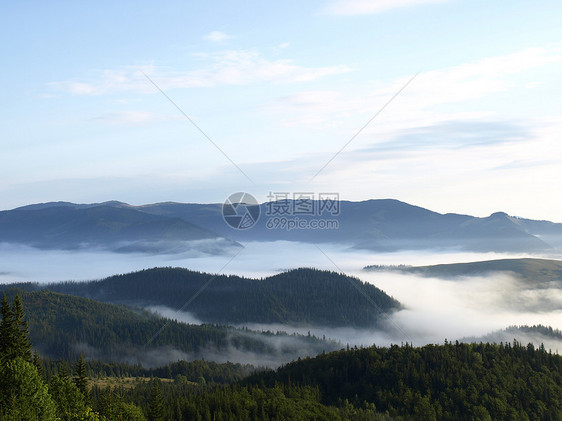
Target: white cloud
x=128 y=117
x=217 y=36
x=125 y=78
x=367 y=7
x=425 y=101
x=231 y=67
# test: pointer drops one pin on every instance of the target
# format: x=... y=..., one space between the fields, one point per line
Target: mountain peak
x=498 y=215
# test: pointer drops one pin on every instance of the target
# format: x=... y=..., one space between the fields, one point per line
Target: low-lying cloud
x=434 y=309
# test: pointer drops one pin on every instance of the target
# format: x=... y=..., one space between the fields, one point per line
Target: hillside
x=537 y=335
x=541 y=273
x=451 y=381
x=64 y=326
x=380 y=225
x=298 y=297
x=107 y=226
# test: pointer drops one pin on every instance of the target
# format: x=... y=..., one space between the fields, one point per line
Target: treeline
x=209 y=372
x=454 y=381
x=63 y=327
x=547 y=331
x=24 y=394
x=300 y=296
x=435 y=382
x=447 y=382
x=234 y=403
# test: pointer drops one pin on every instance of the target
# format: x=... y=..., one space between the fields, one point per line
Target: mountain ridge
x=535 y=272
x=297 y=297
x=374 y=224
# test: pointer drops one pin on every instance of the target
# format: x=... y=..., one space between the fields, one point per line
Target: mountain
x=63 y=326
x=381 y=225
x=536 y=273
x=378 y=225
x=298 y=297
x=435 y=382
x=113 y=225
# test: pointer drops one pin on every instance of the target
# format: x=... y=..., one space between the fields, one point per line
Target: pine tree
x=23 y=394
x=63 y=371
x=6 y=331
x=156 y=408
x=14 y=333
x=37 y=363
x=81 y=377
x=21 y=331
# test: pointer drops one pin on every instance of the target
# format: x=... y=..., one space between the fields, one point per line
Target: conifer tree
x=156 y=408
x=37 y=363
x=20 y=331
x=6 y=331
x=81 y=377
x=63 y=371
x=14 y=340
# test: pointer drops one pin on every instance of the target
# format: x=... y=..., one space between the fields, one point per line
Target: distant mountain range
x=379 y=225
x=111 y=225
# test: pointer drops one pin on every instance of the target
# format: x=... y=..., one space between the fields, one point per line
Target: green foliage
x=156 y=407
x=240 y=403
x=7 y=331
x=21 y=333
x=38 y=364
x=68 y=398
x=81 y=377
x=14 y=341
x=64 y=326
x=112 y=405
x=297 y=296
x=128 y=412
x=23 y=394
x=447 y=382
x=452 y=381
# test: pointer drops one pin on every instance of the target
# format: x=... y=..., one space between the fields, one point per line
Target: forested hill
x=447 y=382
x=533 y=272
x=299 y=297
x=537 y=334
x=64 y=326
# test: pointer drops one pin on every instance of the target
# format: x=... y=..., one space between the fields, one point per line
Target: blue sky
x=280 y=87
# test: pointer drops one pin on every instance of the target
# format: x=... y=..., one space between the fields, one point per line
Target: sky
x=452 y=105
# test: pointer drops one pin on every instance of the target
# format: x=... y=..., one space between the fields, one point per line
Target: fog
x=434 y=309
x=257 y=259
x=281 y=349
x=437 y=309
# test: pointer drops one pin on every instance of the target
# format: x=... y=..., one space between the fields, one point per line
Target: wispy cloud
x=426 y=101
x=231 y=67
x=453 y=135
x=217 y=36
x=128 y=117
x=368 y=7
